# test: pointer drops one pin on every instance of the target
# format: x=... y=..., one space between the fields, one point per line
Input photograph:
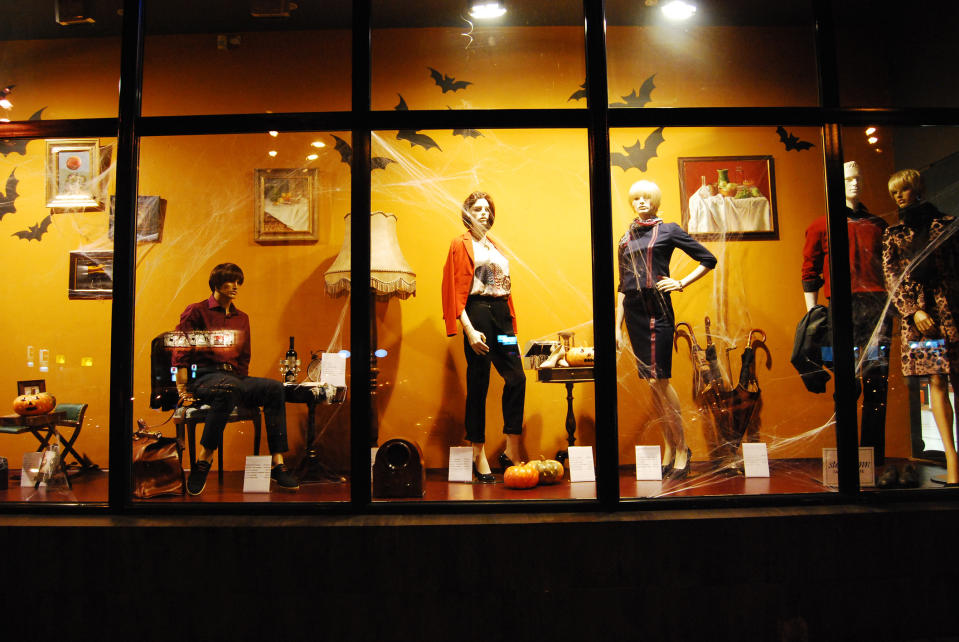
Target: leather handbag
x=157 y=465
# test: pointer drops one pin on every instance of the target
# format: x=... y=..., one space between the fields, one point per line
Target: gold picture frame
x=73 y=174
x=285 y=205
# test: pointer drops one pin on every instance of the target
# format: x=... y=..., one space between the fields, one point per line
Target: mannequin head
x=478 y=213
x=644 y=198
x=906 y=187
x=853 y=183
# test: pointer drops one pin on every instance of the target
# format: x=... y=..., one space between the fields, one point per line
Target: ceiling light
x=678 y=10
x=870 y=131
x=872 y=140
x=312 y=157
x=272 y=153
x=317 y=144
x=4 y=120
x=486 y=9
x=274 y=134
x=6 y=104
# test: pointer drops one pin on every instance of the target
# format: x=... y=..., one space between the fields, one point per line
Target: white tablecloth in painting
x=295 y=216
x=721 y=214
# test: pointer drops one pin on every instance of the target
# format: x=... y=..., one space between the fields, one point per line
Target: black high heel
x=682 y=473
x=504 y=461
x=483 y=478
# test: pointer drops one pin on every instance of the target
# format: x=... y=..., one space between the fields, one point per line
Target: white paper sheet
x=581 y=467
x=256 y=474
x=649 y=465
x=29 y=469
x=333 y=369
x=755 y=460
x=867 y=467
x=461 y=464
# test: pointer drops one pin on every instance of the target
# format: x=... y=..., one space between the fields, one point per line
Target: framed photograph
x=151 y=211
x=31 y=387
x=729 y=197
x=73 y=174
x=285 y=206
x=91 y=275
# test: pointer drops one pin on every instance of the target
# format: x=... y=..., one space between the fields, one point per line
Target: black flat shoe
x=908 y=476
x=504 y=461
x=888 y=478
x=483 y=478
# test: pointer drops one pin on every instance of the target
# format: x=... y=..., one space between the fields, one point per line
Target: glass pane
x=709 y=315
x=537 y=261
x=897 y=56
x=437 y=56
x=905 y=178
x=200 y=59
x=52 y=71
x=724 y=54
x=274 y=206
x=54 y=204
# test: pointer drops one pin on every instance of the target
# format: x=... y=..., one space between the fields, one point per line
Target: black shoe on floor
x=504 y=461
x=284 y=478
x=909 y=476
x=888 y=478
x=483 y=478
x=197 y=481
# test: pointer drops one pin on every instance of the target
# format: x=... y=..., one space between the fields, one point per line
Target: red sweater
x=458 y=280
x=865 y=253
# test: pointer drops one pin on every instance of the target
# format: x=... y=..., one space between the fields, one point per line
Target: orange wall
x=538 y=179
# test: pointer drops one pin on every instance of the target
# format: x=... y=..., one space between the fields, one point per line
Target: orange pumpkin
x=521 y=476
x=34 y=404
x=551 y=472
x=579 y=356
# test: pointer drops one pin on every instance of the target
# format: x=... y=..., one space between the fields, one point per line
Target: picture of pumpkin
x=39 y=403
x=521 y=476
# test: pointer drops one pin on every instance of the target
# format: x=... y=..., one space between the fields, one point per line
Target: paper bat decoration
x=35 y=231
x=639 y=154
x=792 y=142
x=579 y=93
x=447 y=83
x=467 y=133
x=645 y=91
x=346 y=155
x=412 y=135
x=6 y=199
x=8 y=146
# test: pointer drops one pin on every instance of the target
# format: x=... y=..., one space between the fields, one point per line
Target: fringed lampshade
x=390 y=274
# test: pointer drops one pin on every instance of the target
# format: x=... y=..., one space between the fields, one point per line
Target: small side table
x=568 y=376
x=311 y=468
x=34 y=424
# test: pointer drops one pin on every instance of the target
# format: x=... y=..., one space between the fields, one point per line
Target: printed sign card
x=648 y=463
x=256 y=474
x=867 y=467
x=372 y=461
x=755 y=460
x=461 y=464
x=333 y=369
x=581 y=467
x=29 y=469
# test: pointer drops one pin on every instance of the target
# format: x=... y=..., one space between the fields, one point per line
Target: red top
x=458 y=280
x=865 y=253
x=211 y=336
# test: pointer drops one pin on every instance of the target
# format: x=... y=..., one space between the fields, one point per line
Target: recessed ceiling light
x=872 y=140
x=486 y=9
x=312 y=157
x=678 y=10
x=870 y=131
x=274 y=134
x=318 y=144
x=272 y=153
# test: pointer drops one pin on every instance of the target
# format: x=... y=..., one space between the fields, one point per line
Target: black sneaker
x=284 y=478
x=197 y=481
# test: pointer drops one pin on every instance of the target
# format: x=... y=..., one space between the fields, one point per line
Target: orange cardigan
x=458 y=279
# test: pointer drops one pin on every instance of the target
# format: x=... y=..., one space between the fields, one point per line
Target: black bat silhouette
x=346 y=155
x=412 y=135
x=447 y=83
x=634 y=100
x=6 y=200
x=639 y=154
x=792 y=142
x=19 y=145
x=467 y=133
x=35 y=231
x=579 y=93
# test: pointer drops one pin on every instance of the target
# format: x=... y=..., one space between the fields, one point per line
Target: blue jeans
x=224 y=391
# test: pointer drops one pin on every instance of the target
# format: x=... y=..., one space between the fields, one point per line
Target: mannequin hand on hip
x=477 y=340
x=924 y=322
x=666 y=284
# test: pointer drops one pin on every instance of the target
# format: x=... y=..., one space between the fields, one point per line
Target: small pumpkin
x=579 y=356
x=521 y=476
x=34 y=404
x=550 y=471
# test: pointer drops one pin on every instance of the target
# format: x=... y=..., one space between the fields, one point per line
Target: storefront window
x=226 y=60
x=444 y=57
x=709 y=229
x=901 y=190
x=50 y=70
x=431 y=388
x=273 y=206
x=710 y=54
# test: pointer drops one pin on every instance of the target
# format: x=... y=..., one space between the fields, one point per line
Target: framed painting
x=150 y=214
x=31 y=387
x=91 y=275
x=285 y=205
x=73 y=174
x=729 y=197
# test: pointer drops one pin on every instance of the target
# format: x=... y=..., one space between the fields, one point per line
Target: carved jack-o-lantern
x=579 y=356
x=34 y=404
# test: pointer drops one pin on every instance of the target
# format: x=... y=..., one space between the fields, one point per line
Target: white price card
x=755 y=460
x=29 y=469
x=333 y=369
x=461 y=464
x=649 y=465
x=256 y=475
x=867 y=467
x=581 y=467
